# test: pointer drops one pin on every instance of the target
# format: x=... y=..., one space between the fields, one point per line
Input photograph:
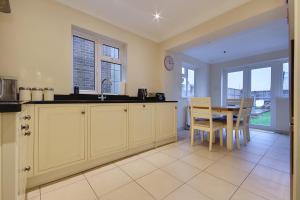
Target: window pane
x=182 y=70
x=111 y=52
x=235 y=85
x=285 y=80
x=183 y=86
x=261 y=93
x=111 y=72
x=191 y=83
x=83 y=63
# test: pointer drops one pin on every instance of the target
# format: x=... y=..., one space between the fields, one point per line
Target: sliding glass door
x=235 y=85
x=262 y=96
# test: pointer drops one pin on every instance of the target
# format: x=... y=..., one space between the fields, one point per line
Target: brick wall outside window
x=83 y=63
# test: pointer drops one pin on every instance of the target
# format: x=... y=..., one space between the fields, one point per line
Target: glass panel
x=235 y=85
x=112 y=72
x=285 y=79
x=83 y=63
x=183 y=86
x=191 y=83
x=261 y=93
x=110 y=51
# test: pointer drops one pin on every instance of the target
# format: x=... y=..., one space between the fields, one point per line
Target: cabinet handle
x=27 y=169
x=83 y=112
x=25 y=127
x=27 y=117
x=125 y=110
x=27 y=133
x=144 y=106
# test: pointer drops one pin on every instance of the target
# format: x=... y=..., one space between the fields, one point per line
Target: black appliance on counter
x=142 y=94
x=160 y=96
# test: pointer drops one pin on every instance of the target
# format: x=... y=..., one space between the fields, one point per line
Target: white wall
x=280 y=108
x=36 y=46
x=173 y=88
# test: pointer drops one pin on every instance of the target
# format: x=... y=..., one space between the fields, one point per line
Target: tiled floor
x=177 y=171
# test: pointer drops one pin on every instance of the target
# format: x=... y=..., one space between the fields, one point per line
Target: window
x=83 y=63
x=97 y=64
x=285 y=79
x=187 y=82
x=235 y=85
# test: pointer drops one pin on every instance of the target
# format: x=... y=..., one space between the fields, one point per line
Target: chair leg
x=237 y=138
x=248 y=133
x=214 y=138
x=192 y=136
x=221 y=137
x=245 y=136
x=211 y=133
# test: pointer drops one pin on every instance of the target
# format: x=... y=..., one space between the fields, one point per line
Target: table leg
x=229 y=131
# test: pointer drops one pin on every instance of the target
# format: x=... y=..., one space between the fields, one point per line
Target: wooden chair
x=202 y=119
x=248 y=104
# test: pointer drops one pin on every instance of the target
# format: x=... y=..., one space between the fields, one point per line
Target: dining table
x=229 y=112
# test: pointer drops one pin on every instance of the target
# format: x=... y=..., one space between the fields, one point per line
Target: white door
x=141 y=124
x=61 y=136
x=108 y=130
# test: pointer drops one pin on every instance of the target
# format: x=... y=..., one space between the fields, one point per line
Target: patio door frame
x=276 y=85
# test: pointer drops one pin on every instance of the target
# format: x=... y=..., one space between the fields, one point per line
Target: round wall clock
x=169 y=63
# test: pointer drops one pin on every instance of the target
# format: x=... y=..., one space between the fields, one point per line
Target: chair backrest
x=233 y=102
x=248 y=104
x=241 y=113
x=201 y=108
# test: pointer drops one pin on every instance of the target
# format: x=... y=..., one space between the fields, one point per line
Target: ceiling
x=268 y=38
x=137 y=15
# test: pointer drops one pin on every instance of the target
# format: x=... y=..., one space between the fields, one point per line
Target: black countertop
x=97 y=101
x=10 y=106
x=15 y=106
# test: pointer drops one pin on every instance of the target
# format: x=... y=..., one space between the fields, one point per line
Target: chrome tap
x=102 y=97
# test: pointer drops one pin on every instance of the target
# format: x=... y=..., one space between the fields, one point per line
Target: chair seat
x=205 y=123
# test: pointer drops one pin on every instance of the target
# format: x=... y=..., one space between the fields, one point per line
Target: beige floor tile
x=237 y=163
x=127 y=160
x=76 y=191
x=62 y=183
x=197 y=161
x=181 y=170
x=131 y=191
x=108 y=181
x=213 y=155
x=228 y=173
x=148 y=153
x=34 y=198
x=159 y=183
x=99 y=170
x=34 y=194
x=138 y=168
x=276 y=164
x=272 y=175
x=266 y=188
x=159 y=159
x=175 y=152
x=251 y=157
x=212 y=187
x=185 y=192
x=245 y=195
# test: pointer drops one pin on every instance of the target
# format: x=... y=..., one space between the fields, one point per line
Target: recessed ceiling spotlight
x=157 y=16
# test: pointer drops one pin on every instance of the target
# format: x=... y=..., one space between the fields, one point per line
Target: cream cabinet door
x=141 y=124
x=108 y=130
x=61 y=135
x=166 y=116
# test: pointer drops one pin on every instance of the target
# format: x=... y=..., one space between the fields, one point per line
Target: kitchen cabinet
x=141 y=125
x=166 y=122
x=61 y=137
x=13 y=156
x=108 y=130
